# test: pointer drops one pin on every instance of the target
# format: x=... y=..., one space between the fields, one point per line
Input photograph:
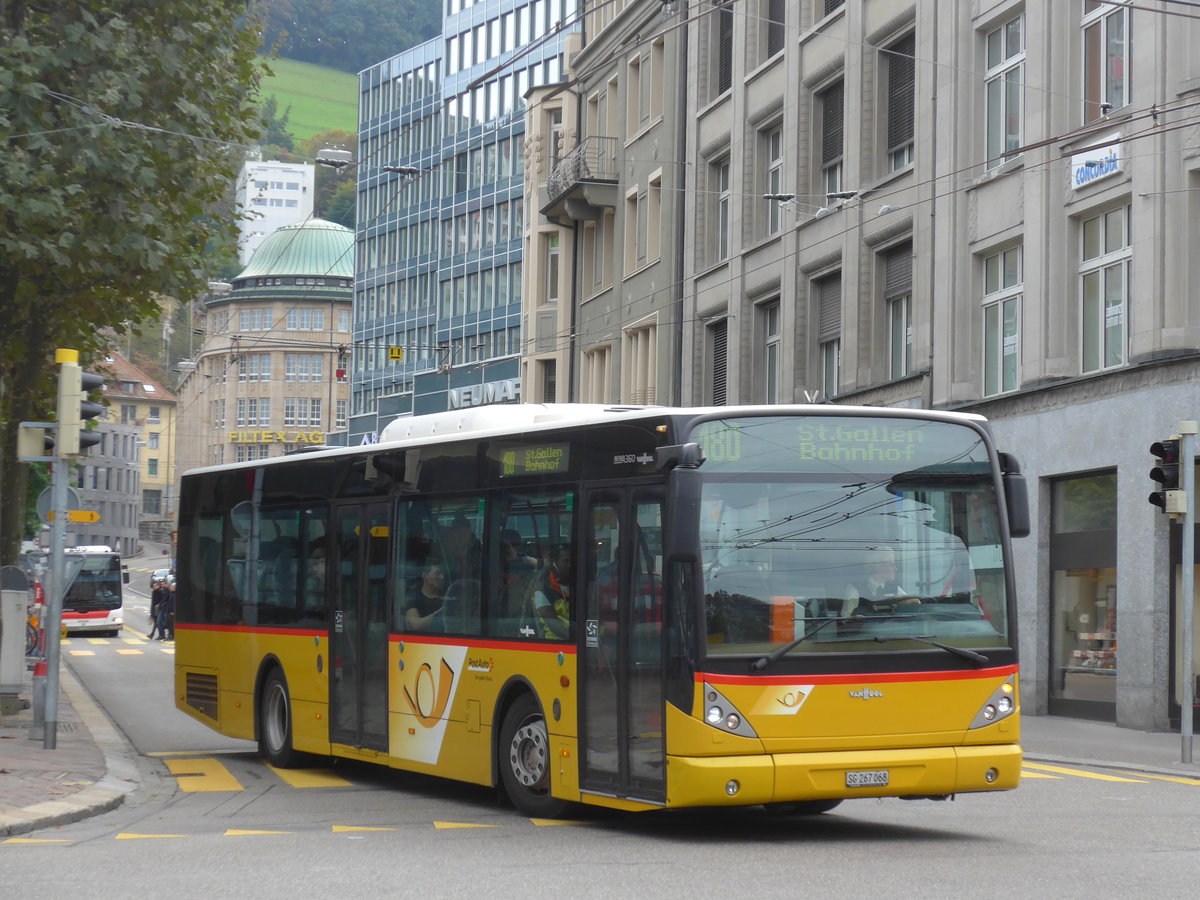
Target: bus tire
x=801 y=807
x=524 y=760
x=275 y=722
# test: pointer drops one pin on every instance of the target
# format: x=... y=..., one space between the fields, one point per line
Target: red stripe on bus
x=858 y=677
x=97 y=614
x=482 y=644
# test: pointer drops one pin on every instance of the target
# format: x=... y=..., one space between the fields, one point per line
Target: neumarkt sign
x=277 y=437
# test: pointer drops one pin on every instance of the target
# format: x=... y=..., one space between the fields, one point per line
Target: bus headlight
x=998 y=706
x=724 y=715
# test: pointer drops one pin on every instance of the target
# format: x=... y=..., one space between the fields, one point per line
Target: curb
x=1141 y=768
x=120 y=779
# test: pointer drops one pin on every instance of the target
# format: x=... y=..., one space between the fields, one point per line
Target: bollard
x=39 y=693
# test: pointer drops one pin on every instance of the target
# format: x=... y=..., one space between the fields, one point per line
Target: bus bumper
x=790 y=777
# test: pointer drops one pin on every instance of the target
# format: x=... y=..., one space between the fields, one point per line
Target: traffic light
x=1168 y=497
x=73 y=406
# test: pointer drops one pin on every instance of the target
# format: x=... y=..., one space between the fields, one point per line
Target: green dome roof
x=311 y=248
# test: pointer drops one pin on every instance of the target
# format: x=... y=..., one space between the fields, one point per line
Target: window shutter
x=719 y=332
x=829 y=307
x=724 y=48
x=901 y=91
x=832 y=117
x=776 y=12
x=897 y=271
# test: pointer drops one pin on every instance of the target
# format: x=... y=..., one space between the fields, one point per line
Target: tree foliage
x=121 y=125
x=348 y=34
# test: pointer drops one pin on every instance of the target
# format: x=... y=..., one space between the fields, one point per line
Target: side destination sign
x=533 y=459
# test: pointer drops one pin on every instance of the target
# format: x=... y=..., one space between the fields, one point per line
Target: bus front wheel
x=275 y=722
x=525 y=760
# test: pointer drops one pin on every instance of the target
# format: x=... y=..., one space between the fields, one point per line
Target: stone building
x=270 y=376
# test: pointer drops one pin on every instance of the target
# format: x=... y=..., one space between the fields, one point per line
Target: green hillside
x=321 y=98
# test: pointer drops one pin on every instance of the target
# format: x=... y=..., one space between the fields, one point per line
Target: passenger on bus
x=516 y=571
x=461 y=549
x=426 y=601
x=552 y=594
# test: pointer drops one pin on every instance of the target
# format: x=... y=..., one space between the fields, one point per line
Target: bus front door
x=621 y=656
x=359 y=633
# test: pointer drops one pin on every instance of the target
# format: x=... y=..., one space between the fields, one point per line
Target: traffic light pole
x=54 y=598
x=1187 y=456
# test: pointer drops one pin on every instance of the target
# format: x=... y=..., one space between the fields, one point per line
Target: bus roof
x=508 y=419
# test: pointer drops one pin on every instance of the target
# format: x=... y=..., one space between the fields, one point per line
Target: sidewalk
x=92 y=768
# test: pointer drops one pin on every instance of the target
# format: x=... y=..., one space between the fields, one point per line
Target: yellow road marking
x=338 y=829
x=440 y=825
x=130 y=652
x=98 y=641
x=83 y=652
x=139 y=837
x=206 y=775
x=1025 y=774
x=309 y=778
x=35 y=841
x=1080 y=773
x=237 y=832
x=547 y=822
x=1172 y=778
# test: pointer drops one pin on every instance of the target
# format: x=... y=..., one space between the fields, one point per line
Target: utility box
x=14 y=595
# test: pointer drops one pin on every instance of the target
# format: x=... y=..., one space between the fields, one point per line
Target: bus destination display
x=534 y=459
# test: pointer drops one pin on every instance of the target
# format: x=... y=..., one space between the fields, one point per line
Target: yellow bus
x=633 y=607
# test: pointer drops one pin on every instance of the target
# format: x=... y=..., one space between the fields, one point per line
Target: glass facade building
x=437 y=309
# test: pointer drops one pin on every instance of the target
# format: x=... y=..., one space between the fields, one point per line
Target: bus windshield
x=849 y=534
x=97 y=586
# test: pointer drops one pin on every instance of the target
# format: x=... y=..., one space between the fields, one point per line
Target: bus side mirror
x=1016 y=496
x=689 y=456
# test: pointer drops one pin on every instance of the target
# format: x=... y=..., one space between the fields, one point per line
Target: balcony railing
x=593 y=160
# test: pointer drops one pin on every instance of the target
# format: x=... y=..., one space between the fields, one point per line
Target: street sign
x=77 y=515
x=45 y=504
x=396 y=354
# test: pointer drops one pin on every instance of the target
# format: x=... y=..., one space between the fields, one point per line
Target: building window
x=596 y=380
x=152 y=502
x=828 y=291
x=1004 y=88
x=254 y=367
x=152 y=467
x=774 y=26
x=897 y=298
x=1083 y=596
x=771 y=150
x=1106 y=58
x=343 y=418
x=306 y=320
x=129 y=414
x=1002 y=281
x=718 y=356
x=832 y=118
x=1104 y=277
x=639 y=364
x=548 y=379
x=654 y=218
x=722 y=198
x=768 y=317
x=152 y=440
x=154 y=416
x=900 y=68
x=302 y=367
x=551 y=246
x=723 y=46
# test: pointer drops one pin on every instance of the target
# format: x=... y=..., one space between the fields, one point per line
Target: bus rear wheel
x=275 y=722
x=524 y=759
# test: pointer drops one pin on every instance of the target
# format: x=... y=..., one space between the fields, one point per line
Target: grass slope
x=321 y=99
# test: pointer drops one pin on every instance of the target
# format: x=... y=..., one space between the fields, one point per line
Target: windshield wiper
x=978 y=658
x=762 y=662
